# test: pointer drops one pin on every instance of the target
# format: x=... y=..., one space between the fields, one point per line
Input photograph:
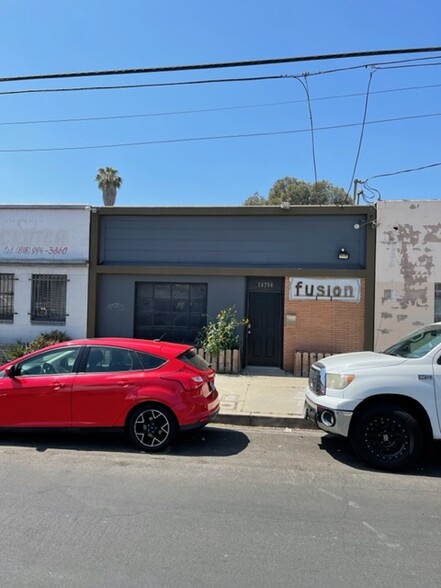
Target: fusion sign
x=324 y=289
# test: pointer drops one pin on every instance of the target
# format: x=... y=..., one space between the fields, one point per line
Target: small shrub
x=17 y=349
x=221 y=332
x=20 y=348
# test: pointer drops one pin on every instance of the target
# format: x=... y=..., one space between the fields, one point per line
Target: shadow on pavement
x=207 y=442
x=210 y=441
x=340 y=449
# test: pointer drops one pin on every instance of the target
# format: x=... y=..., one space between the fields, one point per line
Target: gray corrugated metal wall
x=231 y=241
x=116 y=303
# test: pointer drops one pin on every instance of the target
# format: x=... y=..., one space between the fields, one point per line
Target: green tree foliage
x=256 y=200
x=298 y=192
x=221 y=332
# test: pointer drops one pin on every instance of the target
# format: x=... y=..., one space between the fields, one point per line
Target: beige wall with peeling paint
x=408 y=264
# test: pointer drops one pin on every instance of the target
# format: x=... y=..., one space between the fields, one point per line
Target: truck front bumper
x=330 y=420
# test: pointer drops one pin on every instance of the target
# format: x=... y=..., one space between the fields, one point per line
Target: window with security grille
x=48 y=302
x=437 y=303
x=6 y=297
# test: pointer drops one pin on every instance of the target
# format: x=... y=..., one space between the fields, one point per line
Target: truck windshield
x=417 y=344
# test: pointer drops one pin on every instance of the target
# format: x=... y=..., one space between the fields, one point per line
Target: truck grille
x=315 y=382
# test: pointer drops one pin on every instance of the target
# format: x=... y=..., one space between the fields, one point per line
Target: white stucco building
x=408 y=268
x=44 y=253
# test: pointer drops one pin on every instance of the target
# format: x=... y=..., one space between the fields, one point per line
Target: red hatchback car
x=151 y=389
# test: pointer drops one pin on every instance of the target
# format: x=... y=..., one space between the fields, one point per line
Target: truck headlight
x=339 y=381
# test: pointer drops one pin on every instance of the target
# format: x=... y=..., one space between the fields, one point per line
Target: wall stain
x=415 y=273
x=433 y=233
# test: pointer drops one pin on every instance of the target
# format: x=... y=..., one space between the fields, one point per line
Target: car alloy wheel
x=152 y=427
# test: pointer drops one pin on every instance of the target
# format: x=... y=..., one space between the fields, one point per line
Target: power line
x=215 y=80
x=216 y=137
x=132 y=86
x=311 y=123
x=376 y=194
x=363 y=125
x=383 y=65
x=205 y=66
x=215 y=109
x=404 y=171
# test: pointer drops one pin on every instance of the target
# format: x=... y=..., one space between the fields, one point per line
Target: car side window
x=111 y=359
x=150 y=362
x=56 y=361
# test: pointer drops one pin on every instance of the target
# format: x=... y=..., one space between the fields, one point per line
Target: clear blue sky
x=53 y=36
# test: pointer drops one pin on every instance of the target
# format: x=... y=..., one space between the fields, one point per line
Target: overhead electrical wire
x=381 y=66
x=221 y=65
x=400 y=63
x=304 y=83
x=363 y=126
x=148 y=85
x=216 y=137
x=375 y=194
x=215 y=109
x=404 y=171
x=415 y=62
x=203 y=82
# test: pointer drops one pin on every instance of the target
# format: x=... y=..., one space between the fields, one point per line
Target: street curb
x=263 y=420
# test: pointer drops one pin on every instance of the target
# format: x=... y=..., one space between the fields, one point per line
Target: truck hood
x=349 y=362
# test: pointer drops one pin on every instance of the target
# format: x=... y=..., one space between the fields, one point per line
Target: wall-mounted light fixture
x=343 y=254
x=372 y=223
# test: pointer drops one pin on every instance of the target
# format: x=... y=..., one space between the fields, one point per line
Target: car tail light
x=187 y=380
x=198 y=379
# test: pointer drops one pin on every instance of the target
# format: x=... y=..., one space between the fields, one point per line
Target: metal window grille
x=48 y=302
x=437 y=302
x=6 y=297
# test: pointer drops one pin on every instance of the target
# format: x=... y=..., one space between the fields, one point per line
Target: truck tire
x=387 y=437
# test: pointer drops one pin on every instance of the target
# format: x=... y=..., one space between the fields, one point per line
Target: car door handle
x=58 y=385
x=124 y=383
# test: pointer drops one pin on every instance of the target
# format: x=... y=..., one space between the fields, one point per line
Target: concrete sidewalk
x=262 y=397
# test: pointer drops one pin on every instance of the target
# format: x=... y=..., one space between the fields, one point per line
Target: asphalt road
x=242 y=507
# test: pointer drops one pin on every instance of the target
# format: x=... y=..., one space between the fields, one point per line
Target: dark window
x=151 y=362
x=48 y=302
x=112 y=359
x=437 y=303
x=192 y=358
x=6 y=297
x=170 y=311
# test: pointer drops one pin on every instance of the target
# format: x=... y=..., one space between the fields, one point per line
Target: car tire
x=152 y=427
x=388 y=437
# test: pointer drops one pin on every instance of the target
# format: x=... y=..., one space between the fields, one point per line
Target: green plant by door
x=221 y=332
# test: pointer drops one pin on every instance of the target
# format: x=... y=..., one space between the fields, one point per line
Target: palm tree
x=108 y=181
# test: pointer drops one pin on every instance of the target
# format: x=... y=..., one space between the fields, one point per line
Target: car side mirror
x=11 y=371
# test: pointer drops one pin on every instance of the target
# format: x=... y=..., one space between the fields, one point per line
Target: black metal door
x=264 y=338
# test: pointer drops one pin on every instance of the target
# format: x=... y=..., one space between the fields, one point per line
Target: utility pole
x=356 y=193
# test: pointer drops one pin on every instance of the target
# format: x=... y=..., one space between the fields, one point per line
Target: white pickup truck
x=388 y=404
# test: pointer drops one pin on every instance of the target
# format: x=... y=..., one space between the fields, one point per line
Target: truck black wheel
x=388 y=437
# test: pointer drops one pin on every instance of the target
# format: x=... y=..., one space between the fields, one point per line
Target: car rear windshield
x=192 y=358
